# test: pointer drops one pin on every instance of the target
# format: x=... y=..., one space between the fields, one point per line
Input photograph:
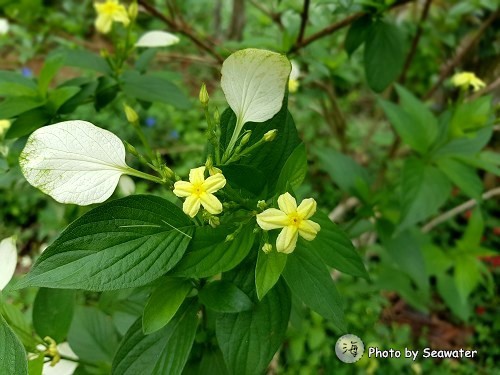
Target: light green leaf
x=474 y=231
x=74 y=162
x=294 y=170
x=249 y=340
x=307 y=276
x=163 y=352
x=35 y=365
x=268 y=271
x=14 y=84
x=60 y=96
x=124 y=243
x=449 y=292
x=12 y=354
x=27 y=122
x=52 y=312
x=467 y=275
x=471 y=115
x=463 y=176
x=223 y=296
x=12 y=107
x=164 y=303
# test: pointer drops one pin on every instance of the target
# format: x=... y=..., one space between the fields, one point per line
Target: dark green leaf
x=53 y=312
x=12 y=354
x=12 y=107
x=209 y=254
x=307 y=276
x=60 y=96
x=335 y=248
x=294 y=171
x=463 y=176
x=163 y=352
x=223 y=296
x=82 y=97
x=28 y=122
x=19 y=324
x=250 y=339
x=470 y=144
x=49 y=70
x=357 y=34
x=87 y=60
x=164 y=303
x=449 y=292
x=152 y=88
x=145 y=58
x=105 y=93
x=268 y=271
x=124 y=243
x=247 y=180
x=384 y=55
x=14 y=84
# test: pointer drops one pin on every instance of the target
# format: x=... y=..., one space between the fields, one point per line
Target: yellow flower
x=293 y=220
x=466 y=79
x=199 y=191
x=4 y=126
x=293 y=85
x=107 y=12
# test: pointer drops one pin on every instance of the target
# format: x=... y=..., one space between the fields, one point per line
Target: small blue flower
x=27 y=72
x=150 y=122
x=174 y=134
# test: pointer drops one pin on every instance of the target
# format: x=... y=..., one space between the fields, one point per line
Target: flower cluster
x=465 y=80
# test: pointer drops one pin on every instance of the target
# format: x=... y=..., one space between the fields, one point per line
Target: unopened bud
x=131 y=115
x=229 y=237
x=4 y=126
x=133 y=10
x=214 y=221
x=261 y=205
x=267 y=247
x=204 y=98
x=270 y=135
x=245 y=138
x=216 y=117
x=131 y=149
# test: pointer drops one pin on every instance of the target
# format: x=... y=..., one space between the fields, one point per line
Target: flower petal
x=307 y=208
x=211 y=203
x=103 y=23
x=183 y=188
x=74 y=162
x=196 y=175
x=8 y=260
x=272 y=218
x=121 y=15
x=157 y=39
x=214 y=183
x=308 y=229
x=191 y=205
x=254 y=82
x=287 y=239
x=287 y=203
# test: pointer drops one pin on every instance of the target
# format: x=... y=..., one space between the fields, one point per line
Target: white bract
x=8 y=260
x=74 y=162
x=64 y=366
x=4 y=26
x=254 y=82
x=157 y=39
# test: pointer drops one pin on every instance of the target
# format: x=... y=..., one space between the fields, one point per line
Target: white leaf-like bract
x=254 y=82
x=74 y=162
x=64 y=366
x=157 y=39
x=8 y=260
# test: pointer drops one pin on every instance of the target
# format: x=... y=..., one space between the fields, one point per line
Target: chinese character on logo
x=353 y=348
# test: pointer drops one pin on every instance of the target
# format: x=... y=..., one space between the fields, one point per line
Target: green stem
x=234 y=138
x=134 y=172
x=237 y=156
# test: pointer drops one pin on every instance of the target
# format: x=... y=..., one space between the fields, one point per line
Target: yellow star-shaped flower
x=199 y=191
x=466 y=79
x=293 y=220
x=107 y=12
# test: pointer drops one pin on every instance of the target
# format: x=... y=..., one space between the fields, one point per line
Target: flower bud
x=245 y=138
x=204 y=98
x=4 y=126
x=131 y=115
x=270 y=135
x=229 y=237
x=133 y=10
x=214 y=221
x=216 y=117
x=267 y=247
x=261 y=205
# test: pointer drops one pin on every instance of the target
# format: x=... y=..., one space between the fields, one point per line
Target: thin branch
x=303 y=21
x=338 y=213
x=335 y=27
x=414 y=43
x=458 y=209
x=467 y=45
x=183 y=29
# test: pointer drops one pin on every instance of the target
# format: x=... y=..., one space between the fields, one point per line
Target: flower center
x=198 y=189
x=110 y=8
x=295 y=219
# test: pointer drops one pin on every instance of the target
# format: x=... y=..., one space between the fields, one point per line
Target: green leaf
x=124 y=243
x=49 y=70
x=163 y=352
x=471 y=115
x=474 y=231
x=19 y=324
x=81 y=97
x=357 y=34
x=424 y=125
x=52 y=312
x=12 y=354
x=12 y=107
x=463 y=176
x=268 y=271
x=106 y=91
x=307 y=276
x=87 y=60
x=249 y=340
x=92 y=335
x=35 y=365
x=145 y=58
x=28 y=122
x=467 y=275
x=209 y=254
x=384 y=55
x=294 y=171
x=164 y=303
x=335 y=248
x=424 y=190
x=469 y=144
x=224 y=296
x=449 y=292
x=152 y=88
x=60 y=96
x=247 y=180
x=343 y=170
x=14 y=84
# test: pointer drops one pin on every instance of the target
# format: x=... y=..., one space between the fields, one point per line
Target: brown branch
x=303 y=21
x=414 y=43
x=335 y=27
x=183 y=29
x=467 y=45
x=458 y=209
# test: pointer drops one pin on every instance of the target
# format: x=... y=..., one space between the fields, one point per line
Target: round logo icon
x=349 y=348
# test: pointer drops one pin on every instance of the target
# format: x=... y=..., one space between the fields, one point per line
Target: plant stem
x=232 y=142
x=134 y=172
